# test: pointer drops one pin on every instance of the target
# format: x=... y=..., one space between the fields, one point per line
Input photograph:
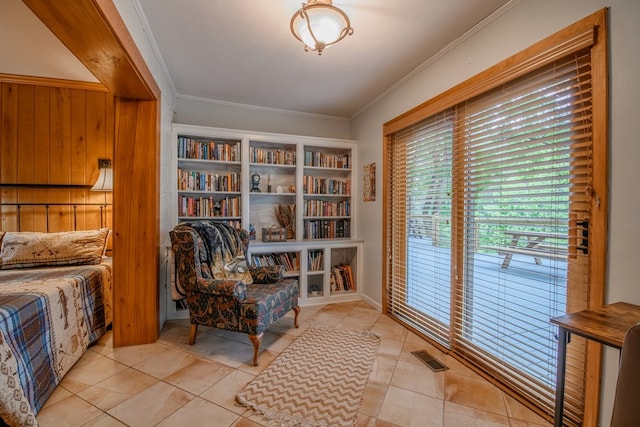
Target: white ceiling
x=242 y=51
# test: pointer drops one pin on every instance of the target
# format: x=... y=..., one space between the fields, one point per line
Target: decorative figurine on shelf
x=216 y=208
x=252 y=232
x=286 y=216
x=269 y=183
x=255 y=182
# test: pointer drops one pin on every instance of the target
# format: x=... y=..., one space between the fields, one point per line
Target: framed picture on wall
x=369 y=183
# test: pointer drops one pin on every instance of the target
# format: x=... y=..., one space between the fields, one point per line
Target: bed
x=55 y=301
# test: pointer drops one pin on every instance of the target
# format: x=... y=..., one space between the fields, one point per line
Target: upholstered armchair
x=221 y=291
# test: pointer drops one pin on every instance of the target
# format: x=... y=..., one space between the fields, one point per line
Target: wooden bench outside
x=540 y=251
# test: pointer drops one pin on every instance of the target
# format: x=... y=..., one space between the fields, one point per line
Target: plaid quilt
x=48 y=318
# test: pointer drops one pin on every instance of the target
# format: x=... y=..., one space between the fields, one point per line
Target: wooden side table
x=607 y=325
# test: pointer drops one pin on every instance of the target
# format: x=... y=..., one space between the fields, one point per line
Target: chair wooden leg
x=255 y=340
x=192 y=333
x=296 y=310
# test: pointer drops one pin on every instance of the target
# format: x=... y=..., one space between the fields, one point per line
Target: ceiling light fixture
x=319 y=24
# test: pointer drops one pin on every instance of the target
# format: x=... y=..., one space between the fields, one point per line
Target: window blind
x=526 y=169
x=422 y=176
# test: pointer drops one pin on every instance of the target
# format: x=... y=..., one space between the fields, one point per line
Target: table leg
x=532 y=244
x=508 y=256
x=563 y=337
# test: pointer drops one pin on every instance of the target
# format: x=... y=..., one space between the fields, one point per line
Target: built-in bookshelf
x=327 y=191
x=343 y=269
x=274 y=166
x=330 y=273
x=315 y=272
x=209 y=178
x=248 y=178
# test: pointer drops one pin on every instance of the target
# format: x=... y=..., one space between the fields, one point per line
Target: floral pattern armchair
x=221 y=290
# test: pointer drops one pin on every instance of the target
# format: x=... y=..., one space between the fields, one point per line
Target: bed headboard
x=13 y=214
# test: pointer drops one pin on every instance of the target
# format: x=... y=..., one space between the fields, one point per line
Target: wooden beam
x=95 y=33
x=136 y=223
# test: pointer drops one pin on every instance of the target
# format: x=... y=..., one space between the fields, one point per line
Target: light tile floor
x=170 y=383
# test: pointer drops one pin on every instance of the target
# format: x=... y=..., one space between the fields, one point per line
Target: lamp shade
x=319 y=24
x=105 y=178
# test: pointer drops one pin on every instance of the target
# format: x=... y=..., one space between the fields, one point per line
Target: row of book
x=193 y=148
x=327 y=208
x=287 y=259
x=208 y=206
x=341 y=278
x=315 y=260
x=327 y=229
x=272 y=157
x=327 y=160
x=313 y=185
x=189 y=180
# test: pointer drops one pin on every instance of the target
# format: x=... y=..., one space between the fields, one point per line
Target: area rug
x=317 y=381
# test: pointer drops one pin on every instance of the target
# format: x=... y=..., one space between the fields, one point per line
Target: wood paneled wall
x=54 y=135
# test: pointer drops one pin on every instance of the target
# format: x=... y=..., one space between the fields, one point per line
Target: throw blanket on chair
x=226 y=250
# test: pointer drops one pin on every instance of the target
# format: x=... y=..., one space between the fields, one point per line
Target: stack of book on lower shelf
x=316 y=260
x=342 y=278
x=287 y=259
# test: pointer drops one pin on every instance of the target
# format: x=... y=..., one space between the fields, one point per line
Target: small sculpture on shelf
x=255 y=183
x=252 y=232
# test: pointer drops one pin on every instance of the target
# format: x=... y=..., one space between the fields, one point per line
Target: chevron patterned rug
x=317 y=381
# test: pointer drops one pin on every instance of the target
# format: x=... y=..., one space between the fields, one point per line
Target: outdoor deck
x=497 y=301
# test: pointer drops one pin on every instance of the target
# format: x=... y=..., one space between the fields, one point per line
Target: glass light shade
x=105 y=178
x=319 y=24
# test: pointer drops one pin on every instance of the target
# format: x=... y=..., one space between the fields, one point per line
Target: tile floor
x=170 y=383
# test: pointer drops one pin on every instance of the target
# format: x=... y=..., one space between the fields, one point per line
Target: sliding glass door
x=488 y=221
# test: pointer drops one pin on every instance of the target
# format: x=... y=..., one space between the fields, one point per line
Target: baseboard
x=372 y=303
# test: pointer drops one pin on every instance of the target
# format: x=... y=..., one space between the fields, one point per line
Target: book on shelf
x=205 y=149
x=272 y=156
x=327 y=160
x=327 y=208
x=189 y=180
x=327 y=228
x=326 y=186
x=208 y=206
x=316 y=260
x=287 y=259
x=342 y=278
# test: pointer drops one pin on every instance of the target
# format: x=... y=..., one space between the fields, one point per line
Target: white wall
x=525 y=23
x=194 y=111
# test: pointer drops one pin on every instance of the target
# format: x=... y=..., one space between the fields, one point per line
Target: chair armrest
x=230 y=288
x=267 y=274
